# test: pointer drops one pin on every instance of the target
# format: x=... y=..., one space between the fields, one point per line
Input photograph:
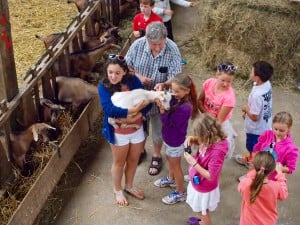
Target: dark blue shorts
x=251 y=140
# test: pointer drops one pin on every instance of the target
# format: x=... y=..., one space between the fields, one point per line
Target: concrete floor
x=91 y=202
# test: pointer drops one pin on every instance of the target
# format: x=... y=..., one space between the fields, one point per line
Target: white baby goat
x=129 y=99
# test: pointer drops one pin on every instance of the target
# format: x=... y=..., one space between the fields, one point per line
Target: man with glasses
x=155 y=59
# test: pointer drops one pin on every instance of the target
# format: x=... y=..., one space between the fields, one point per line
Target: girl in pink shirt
x=259 y=194
x=203 y=194
x=279 y=141
x=217 y=97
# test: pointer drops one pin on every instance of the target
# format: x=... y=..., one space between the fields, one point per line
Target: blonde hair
x=208 y=129
x=283 y=117
x=264 y=163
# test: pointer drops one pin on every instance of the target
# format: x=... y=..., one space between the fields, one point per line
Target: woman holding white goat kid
x=126 y=143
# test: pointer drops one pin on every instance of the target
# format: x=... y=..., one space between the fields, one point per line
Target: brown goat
x=88 y=43
x=80 y=4
x=50 y=111
x=50 y=39
x=83 y=62
x=20 y=143
x=75 y=91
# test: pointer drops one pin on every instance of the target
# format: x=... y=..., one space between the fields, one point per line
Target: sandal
x=156 y=163
x=120 y=198
x=138 y=194
x=193 y=220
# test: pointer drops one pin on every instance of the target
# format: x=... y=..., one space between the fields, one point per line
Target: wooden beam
x=8 y=76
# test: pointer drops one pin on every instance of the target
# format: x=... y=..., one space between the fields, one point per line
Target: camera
x=163 y=69
x=142 y=32
x=188 y=149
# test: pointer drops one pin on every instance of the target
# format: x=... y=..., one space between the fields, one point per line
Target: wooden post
x=115 y=12
x=8 y=84
x=8 y=76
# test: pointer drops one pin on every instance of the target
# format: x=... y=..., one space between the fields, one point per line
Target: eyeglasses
x=116 y=57
x=227 y=68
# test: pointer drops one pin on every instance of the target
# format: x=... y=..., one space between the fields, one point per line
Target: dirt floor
x=91 y=201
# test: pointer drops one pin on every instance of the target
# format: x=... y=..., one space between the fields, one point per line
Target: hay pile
x=28 y=18
x=246 y=31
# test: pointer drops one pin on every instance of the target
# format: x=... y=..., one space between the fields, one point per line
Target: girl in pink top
x=280 y=143
x=203 y=194
x=217 y=97
x=259 y=194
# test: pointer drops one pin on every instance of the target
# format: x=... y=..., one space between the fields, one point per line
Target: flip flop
x=138 y=194
x=157 y=166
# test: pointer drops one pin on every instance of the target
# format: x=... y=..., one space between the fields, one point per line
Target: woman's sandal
x=138 y=194
x=156 y=163
x=120 y=198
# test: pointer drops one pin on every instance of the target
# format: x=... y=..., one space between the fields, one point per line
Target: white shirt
x=260 y=104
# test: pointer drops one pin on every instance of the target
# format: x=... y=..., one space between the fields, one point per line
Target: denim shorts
x=174 y=151
x=133 y=138
x=251 y=140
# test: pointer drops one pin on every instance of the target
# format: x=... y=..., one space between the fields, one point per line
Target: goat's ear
x=35 y=134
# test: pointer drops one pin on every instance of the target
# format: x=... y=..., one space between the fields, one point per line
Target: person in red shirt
x=145 y=17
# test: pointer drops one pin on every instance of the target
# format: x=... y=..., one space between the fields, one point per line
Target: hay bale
x=246 y=31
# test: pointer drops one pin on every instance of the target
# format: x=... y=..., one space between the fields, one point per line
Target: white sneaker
x=173 y=198
x=164 y=182
x=186 y=178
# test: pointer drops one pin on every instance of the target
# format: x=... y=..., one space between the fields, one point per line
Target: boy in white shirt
x=258 y=111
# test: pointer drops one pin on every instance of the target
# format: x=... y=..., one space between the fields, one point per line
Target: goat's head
x=41 y=129
x=49 y=40
x=51 y=111
x=111 y=35
x=165 y=98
